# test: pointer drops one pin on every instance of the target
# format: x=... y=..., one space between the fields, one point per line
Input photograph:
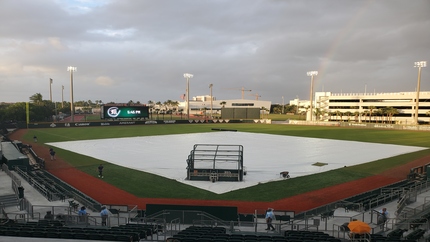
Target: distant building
x=302 y=105
x=398 y=107
x=200 y=104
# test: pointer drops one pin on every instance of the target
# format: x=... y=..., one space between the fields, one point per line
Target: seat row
x=135 y=231
x=296 y=235
x=108 y=235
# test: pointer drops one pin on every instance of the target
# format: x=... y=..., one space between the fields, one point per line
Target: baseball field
x=123 y=185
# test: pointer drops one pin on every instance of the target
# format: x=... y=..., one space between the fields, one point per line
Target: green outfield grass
x=144 y=184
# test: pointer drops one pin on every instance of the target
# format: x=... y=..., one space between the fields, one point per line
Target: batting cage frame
x=215 y=162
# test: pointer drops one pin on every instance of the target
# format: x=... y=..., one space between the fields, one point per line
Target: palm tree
x=364 y=114
x=98 y=103
x=356 y=114
x=37 y=98
x=371 y=109
x=318 y=113
x=391 y=112
x=339 y=113
x=223 y=103
x=323 y=113
x=348 y=113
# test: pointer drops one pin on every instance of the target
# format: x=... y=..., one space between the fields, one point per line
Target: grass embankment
x=144 y=184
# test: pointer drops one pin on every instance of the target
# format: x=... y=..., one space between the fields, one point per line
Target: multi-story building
x=202 y=104
x=398 y=107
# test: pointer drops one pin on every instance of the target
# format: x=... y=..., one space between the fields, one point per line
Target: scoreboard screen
x=124 y=112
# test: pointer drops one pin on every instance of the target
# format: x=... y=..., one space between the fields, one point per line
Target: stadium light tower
x=71 y=69
x=283 y=104
x=62 y=96
x=188 y=76
x=311 y=74
x=50 y=89
x=210 y=87
x=418 y=64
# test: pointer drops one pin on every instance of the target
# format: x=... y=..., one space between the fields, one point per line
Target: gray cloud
x=138 y=50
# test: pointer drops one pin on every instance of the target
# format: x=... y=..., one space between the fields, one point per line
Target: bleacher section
x=55 y=189
x=218 y=234
x=55 y=229
x=361 y=202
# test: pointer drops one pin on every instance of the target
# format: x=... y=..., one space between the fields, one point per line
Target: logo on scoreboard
x=113 y=112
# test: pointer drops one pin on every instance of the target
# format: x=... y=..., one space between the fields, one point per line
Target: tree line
x=41 y=110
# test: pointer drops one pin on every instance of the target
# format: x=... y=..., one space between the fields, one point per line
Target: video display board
x=132 y=112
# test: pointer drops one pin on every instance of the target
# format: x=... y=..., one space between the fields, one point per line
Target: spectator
x=100 y=168
x=104 y=214
x=49 y=215
x=83 y=214
x=344 y=227
x=270 y=216
x=383 y=217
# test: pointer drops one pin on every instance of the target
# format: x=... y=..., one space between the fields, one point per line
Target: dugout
x=12 y=156
x=240 y=113
x=213 y=162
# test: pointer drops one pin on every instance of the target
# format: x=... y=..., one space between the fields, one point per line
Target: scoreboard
x=132 y=112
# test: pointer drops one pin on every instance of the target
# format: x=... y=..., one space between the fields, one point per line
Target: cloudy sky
x=139 y=50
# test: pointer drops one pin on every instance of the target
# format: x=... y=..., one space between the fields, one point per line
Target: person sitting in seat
x=49 y=215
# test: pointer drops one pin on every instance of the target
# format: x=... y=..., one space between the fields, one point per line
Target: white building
x=202 y=104
x=396 y=107
x=302 y=105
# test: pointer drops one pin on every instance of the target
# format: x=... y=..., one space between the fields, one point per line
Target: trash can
x=20 y=192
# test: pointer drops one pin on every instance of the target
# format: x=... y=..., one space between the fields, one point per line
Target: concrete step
x=9 y=200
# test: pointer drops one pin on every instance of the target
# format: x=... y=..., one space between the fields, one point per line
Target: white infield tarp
x=265 y=155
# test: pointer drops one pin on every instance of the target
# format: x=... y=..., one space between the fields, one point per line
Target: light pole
x=210 y=86
x=62 y=96
x=418 y=64
x=50 y=89
x=188 y=76
x=311 y=74
x=72 y=107
x=283 y=104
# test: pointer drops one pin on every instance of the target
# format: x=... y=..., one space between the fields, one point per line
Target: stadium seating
x=54 y=230
x=218 y=234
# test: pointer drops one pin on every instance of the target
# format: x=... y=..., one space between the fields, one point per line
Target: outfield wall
x=224 y=121
x=361 y=125
x=137 y=122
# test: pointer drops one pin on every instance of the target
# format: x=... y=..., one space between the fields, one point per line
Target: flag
x=183 y=96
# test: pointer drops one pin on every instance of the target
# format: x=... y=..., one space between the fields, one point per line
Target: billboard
x=132 y=112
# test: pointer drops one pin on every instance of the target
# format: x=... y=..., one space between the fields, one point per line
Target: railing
x=40 y=161
x=174 y=225
x=207 y=217
x=33 y=182
x=11 y=175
